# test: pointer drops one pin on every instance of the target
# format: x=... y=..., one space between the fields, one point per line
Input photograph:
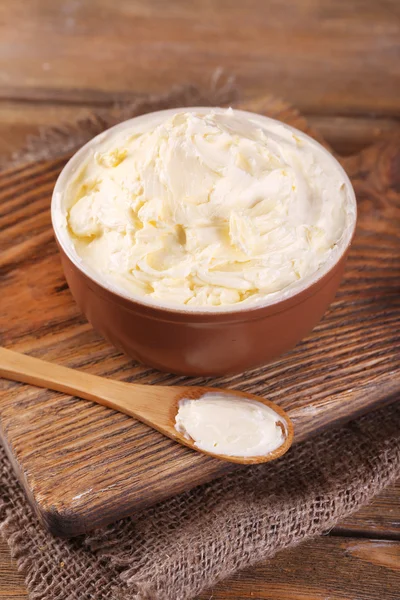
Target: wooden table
x=338 y=61
x=358 y=560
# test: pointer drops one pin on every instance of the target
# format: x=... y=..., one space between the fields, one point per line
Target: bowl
x=202 y=341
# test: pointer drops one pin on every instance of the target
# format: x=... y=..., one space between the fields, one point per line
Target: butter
x=207 y=209
x=228 y=425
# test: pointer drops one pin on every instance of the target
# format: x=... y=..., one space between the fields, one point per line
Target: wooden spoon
x=153 y=405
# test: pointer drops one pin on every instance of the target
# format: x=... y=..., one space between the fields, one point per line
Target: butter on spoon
x=227 y=424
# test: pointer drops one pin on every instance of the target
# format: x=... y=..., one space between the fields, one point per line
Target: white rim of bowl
x=67 y=245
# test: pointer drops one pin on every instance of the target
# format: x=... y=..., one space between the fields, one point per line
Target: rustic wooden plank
x=349 y=135
x=12 y=586
x=18 y=120
x=325 y=56
x=327 y=567
x=376 y=26
x=380 y=519
x=111 y=465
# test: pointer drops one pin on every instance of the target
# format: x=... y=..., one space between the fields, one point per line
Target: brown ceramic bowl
x=199 y=341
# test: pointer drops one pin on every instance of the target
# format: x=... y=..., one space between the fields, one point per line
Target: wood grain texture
x=83 y=465
x=155 y=405
x=278 y=579
x=12 y=586
x=346 y=134
x=21 y=120
x=326 y=56
x=301 y=70
x=323 y=569
x=380 y=519
x=350 y=135
x=334 y=568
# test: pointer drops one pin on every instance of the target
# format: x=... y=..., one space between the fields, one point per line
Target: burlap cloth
x=186 y=544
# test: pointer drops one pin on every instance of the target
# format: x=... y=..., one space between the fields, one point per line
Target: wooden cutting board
x=83 y=465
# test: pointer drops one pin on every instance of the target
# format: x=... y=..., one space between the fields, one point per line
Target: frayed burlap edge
x=177 y=548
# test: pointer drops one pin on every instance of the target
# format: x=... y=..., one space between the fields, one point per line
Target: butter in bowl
x=203 y=241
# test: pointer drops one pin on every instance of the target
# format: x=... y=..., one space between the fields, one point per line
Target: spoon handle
x=147 y=403
x=34 y=371
x=26 y=369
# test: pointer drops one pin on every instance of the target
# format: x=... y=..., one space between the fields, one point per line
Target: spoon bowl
x=154 y=405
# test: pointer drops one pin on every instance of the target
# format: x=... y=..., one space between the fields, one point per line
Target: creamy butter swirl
x=208 y=209
x=223 y=424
